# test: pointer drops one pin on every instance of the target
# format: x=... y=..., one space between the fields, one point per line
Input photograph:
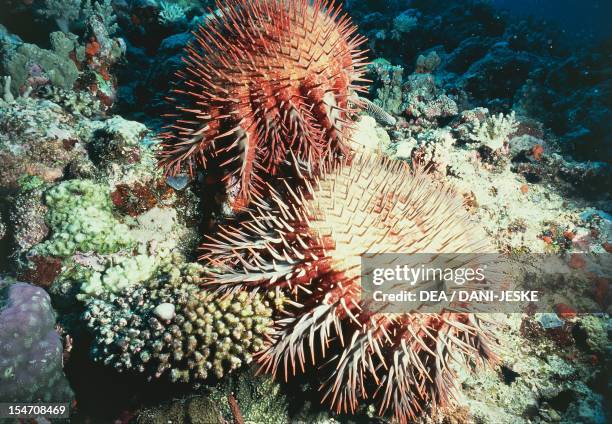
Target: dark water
x=590 y=18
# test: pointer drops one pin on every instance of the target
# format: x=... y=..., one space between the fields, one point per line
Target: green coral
x=124 y=272
x=61 y=71
x=29 y=182
x=169 y=326
x=81 y=219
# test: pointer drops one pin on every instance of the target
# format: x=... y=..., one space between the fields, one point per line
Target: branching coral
x=170 y=13
x=264 y=79
x=309 y=242
x=170 y=326
x=7 y=95
x=495 y=130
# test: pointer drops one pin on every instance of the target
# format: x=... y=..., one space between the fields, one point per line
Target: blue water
x=574 y=17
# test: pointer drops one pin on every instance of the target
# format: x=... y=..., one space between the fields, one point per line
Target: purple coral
x=30 y=348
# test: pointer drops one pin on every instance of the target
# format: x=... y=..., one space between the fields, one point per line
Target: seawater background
x=586 y=18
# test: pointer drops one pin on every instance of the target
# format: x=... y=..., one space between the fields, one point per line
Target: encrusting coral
x=263 y=80
x=171 y=326
x=309 y=242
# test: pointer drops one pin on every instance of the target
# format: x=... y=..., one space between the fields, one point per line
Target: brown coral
x=309 y=243
x=264 y=80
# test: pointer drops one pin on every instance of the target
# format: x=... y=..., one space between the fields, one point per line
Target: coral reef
x=425 y=103
x=80 y=62
x=27 y=216
x=544 y=386
x=513 y=113
x=28 y=64
x=319 y=236
x=74 y=102
x=30 y=348
x=117 y=142
x=405 y=22
x=197 y=409
x=37 y=139
x=170 y=326
x=504 y=63
x=426 y=64
x=231 y=102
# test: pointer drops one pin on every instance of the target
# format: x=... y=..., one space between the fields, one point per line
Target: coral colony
x=193 y=192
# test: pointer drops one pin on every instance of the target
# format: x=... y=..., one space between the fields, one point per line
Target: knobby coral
x=168 y=326
x=309 y=242
x=264 y=79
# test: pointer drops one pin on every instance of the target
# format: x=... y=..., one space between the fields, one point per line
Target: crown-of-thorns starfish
x=308 y=242
x=264 y=78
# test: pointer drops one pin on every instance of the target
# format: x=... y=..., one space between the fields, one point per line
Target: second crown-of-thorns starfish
x=265 y=80
x=309 y=242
